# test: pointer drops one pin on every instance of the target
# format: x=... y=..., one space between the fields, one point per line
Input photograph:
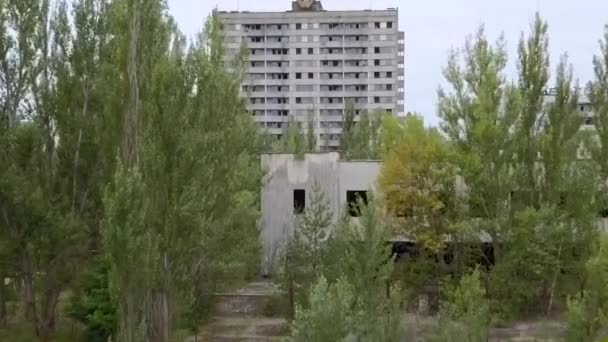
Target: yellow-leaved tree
x=417 y=184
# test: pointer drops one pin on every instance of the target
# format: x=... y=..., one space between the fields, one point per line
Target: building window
x=299 y=201
x=298 y=75
x=298 y=26
x=376 y=62
x=354 y=198
x=376 y=74
x=376 y=50
x=389 y=24
x=389 y=87
x=376 y=99
x=298 y=100
x=298 y=51
x=377 y=24
x=310 y=75
x=389 y=74
x=310 y=51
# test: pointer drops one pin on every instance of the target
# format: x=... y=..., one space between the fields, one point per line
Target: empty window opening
x=299 y=201
x=355 y=198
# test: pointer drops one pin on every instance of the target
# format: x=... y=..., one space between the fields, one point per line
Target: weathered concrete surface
x=417 y=328
x=284 y=174
x=252 y=313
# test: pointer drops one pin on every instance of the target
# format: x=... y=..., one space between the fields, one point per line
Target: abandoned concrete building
x=288 y=185
x=289 y=182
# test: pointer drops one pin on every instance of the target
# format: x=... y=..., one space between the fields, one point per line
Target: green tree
x=533 y=67
x=328 y=317
x=40 y=68
x=362 y=252
x=348 y=125
x=598 y=96
x=306 y=252
x=313 y=228
x=92 y=304
x=294 y=139
x=465 y=312
x=480 y=128
x=182 y=212
x=311 y=136
x=588 y=312
x=354 y=290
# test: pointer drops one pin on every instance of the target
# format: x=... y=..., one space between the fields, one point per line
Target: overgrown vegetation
x=129 y=187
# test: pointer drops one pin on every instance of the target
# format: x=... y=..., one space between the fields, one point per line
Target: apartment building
x=309 y=63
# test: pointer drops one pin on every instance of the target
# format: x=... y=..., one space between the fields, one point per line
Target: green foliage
x=306 y=253
x=329 y=316
x=465 y=312
x=311 y=136
x=517 y=154
x=598 y=96
x=356 y=292
x=588 y=312
x=183 y=222
x=417 y=182
x=307 y=248
x=361 y=253
x=92 y=304
x=293 y=140
x=360 y=139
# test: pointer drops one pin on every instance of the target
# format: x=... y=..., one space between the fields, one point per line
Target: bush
x=92 y=304
x=465 y=313
x=328 y=317
x=588 y=312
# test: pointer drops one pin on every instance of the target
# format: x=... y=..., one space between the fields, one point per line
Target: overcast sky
x=433 y=27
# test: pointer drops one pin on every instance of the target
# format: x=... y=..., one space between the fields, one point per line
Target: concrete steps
x=250 y=326
x=250 y=314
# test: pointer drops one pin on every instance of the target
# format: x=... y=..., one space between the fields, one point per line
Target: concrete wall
x=284 y=174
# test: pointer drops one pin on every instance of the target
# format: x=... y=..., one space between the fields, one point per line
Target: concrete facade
x=284 y=174
x=309 y=61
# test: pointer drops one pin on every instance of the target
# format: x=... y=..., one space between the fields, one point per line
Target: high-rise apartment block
x=312 y=62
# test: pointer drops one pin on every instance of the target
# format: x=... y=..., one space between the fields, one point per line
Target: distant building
x=309 y=61
x=584 y=106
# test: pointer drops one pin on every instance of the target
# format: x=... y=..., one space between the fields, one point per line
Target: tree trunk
x=160 y=309
x=159 y=324
x=131 y=149
x=48 y=310
x=3 y=299
x=78 y=144
x=29 y=294
x=554 y=283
